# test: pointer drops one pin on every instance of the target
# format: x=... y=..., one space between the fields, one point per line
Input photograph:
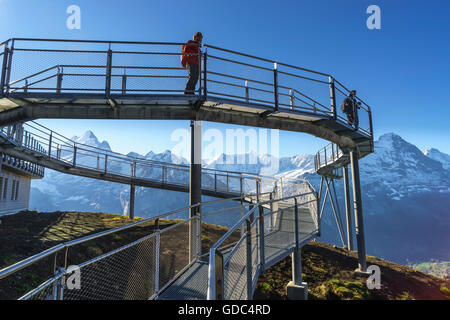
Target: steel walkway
x=37 y=144
x=76 y=79
x=279 y=243
x=69 y=79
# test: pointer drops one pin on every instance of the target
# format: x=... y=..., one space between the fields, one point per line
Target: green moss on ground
x=328 y=270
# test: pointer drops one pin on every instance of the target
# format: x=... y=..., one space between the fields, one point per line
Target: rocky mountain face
x=405 y=194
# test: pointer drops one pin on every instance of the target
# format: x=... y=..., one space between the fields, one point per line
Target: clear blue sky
x=402 y=70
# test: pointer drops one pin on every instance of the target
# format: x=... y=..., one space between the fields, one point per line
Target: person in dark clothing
x=192 y=62
x=350 y=106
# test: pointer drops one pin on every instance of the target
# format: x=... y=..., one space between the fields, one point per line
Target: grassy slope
x=439 y=269
x=327 y=269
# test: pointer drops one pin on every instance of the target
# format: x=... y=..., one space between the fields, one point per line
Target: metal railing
x=269 y=234
x=142 y=268
x=124 y=68
x=328 y=156
x=47 y=143
x=148 y=265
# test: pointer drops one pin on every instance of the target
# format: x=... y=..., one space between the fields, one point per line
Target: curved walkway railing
x=120 y=68
x=48 y=144
x=149 y=265
x=270 y=235
x=160 y=249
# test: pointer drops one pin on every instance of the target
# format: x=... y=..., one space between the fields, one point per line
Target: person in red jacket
x=192 y=62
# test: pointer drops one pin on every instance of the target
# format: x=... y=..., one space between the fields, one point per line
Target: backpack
x=346 y=105
x=183 y=57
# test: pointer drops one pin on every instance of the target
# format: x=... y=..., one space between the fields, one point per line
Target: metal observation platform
x=268 y=218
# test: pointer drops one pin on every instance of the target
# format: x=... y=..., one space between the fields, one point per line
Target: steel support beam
x=357 y=206
x=335 y=212
x=296 y=258
x=195 y=189
x=131 y=205
x=176 y=110
x=348 y=211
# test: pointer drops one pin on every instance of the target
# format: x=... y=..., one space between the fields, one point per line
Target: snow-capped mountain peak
x=443 y=158
x=90 y=139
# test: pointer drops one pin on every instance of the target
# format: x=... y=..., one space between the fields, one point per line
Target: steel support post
x=357 y=206
x=50 y=144
x=59 y=80
x=261 y=239
x=275 y=85
x=195 y=191
x=9 y=64
x=348 y=210
x=218 y=265
x=338 y=211
x=242 y=211
x=108 y=73
x=296 y=227
x=370 y=122
x=205 y=74
x=156 y=249
x=124 y=82
x=249 y=260
x=332 y=97
x=296 y=258
x=4 y=66
x=58 y=285
x=291 y=99
x=246 y=90
x=131 y=205
x=335 y=212
x=74 y=156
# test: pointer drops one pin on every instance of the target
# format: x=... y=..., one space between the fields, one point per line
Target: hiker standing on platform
x=350 y=107
x=192 y=62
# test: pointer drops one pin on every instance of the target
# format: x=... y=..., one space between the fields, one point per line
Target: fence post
x=258 y=188
x=291 y=98
x=156 y=253
x=8 y=73
x=215 y=181
x=205 y=59
x=58 y=285
x=261 y=239
x=74 y=155
x=275 y=84
x=108 y=73
x=332 y=152
x=4 y=66
x=124 y=81
x=59 y=80
x=240 y=184
x=218 y=266
x=246 y=90
x=133 y=169
x=249 y=260
x=106 y=162
x=297 y=229
x=370 y=122
x=50 y=144
x=227 y=182
x=332 y=97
